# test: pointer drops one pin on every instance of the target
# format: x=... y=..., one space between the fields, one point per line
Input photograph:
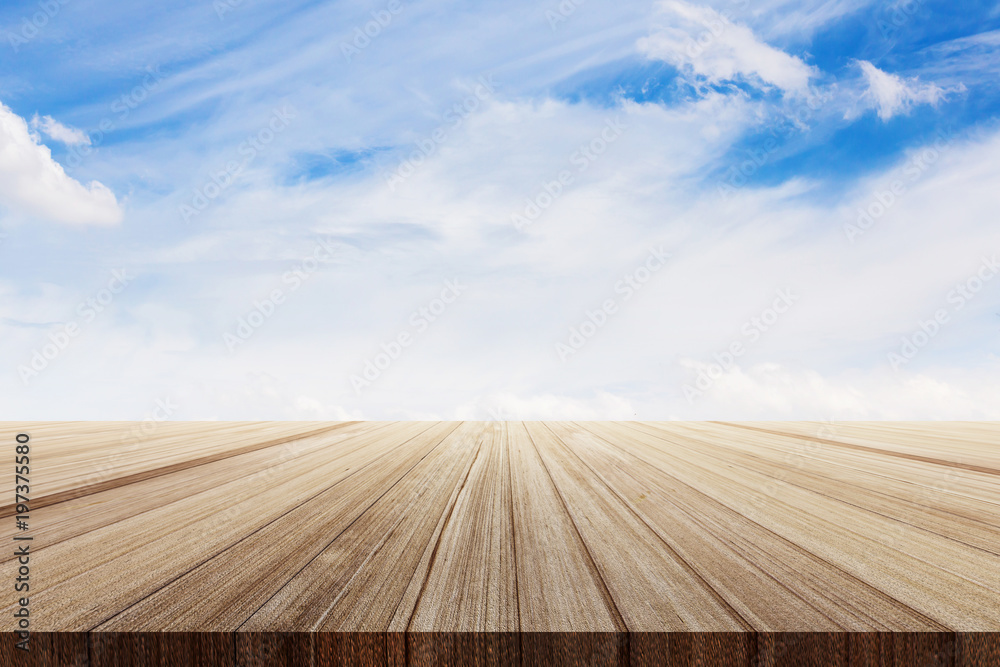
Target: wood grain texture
x=133 y=452
x=680 y=649
x=484 y=539
x=472 y=585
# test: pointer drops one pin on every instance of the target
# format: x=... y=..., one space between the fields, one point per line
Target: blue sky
x=255 y=210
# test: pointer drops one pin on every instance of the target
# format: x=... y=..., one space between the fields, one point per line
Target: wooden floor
x=504 y=527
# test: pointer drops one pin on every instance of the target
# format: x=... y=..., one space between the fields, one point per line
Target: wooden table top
x=509 y=526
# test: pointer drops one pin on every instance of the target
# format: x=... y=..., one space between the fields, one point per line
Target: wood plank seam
x=836 y=566
x=743 y=621
x=785 y=540
x=45 y=501
x=249 y=473
x=587 y=539
x=595 y=572
x=847 y=500
x=884 y=452
x=244 y=538
x=443 y=437
x=437 y=543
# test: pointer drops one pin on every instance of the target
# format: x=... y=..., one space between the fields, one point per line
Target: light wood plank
x=588 y=527
x=559 y=587
x=472 y=586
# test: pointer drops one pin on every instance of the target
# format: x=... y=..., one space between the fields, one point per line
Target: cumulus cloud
x=891 y=95
x=59 y=132
x=706 y=43
x=33 y=184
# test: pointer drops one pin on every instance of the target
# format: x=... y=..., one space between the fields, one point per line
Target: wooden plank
x=968 y=445
x=257 y=567
x=703 y=649
x=347 y=649
x=161 y=545
x=934 y=493
x=345 y=586
x=809 y=592
x=273 y=649
x=653 y=588
x=757 y=593
x=483 y=649
x=197 y=649
x=46 y=649
x=59 y=522
x=575 y=648
x=559 y=588
x=907 y=569
x=472 y=585
x=537 y=543
x=81 y=458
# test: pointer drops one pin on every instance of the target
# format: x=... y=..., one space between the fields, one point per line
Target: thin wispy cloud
x=313 y=207
x=708 y=44
x=59 y=132
x=890 y=95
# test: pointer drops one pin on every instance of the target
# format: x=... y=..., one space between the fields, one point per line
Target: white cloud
x=33 y=184
x=707 y=43
x=891 y=95
x=507 y=407
x=800 y=19
x=494 y=348
x=784 y=392
x=59 y=132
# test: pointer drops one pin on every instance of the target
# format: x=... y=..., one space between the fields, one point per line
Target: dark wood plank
x=347 y=649
x=680 y=649
x=46 y=649
x=273 y=649
x=482 y=649
x=574 y=648
x=174 y=649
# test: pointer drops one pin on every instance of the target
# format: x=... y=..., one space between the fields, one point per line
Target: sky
x=432 y=209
